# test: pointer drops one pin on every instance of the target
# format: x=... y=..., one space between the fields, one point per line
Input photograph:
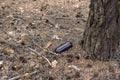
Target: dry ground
x=30 y=30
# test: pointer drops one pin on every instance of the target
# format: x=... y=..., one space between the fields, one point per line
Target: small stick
x=20 y=76
x=16 y=77
x=47 y=60
x=45 y=49
x=42 y=56
x=33 y=51
x=51 y=52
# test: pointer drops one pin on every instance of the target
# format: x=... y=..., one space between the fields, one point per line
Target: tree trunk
x=102 y=34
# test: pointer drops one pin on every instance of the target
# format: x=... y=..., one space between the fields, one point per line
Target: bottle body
x=63 y=47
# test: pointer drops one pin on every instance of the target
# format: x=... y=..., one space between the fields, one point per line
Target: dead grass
x=30 y=30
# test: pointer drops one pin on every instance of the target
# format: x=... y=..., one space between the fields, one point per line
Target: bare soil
x=30 y=31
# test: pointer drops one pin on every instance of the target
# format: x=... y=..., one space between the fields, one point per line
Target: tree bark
x=102 y=34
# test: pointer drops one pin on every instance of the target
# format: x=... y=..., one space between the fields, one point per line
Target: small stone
x=11 y=33
x=54 y=64
x=21 y=9
x=27 y=75
x=107 y=76
x=1 y=62
x=57 y=26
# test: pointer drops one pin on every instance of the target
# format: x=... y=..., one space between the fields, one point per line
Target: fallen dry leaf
x=9 y=50
x=27 y=75
x=48 y=44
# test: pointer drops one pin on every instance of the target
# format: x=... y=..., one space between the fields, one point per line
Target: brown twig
x=42 y=56
x=44 y=49
x=36 y=53
x=47 y=60
x=20 y=76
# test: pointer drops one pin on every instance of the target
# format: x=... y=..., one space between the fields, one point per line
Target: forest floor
x=30 y=30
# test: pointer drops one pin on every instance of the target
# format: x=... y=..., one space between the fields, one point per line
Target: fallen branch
x=20 y=76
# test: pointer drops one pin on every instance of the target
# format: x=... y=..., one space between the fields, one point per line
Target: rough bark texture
x=102 y=34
